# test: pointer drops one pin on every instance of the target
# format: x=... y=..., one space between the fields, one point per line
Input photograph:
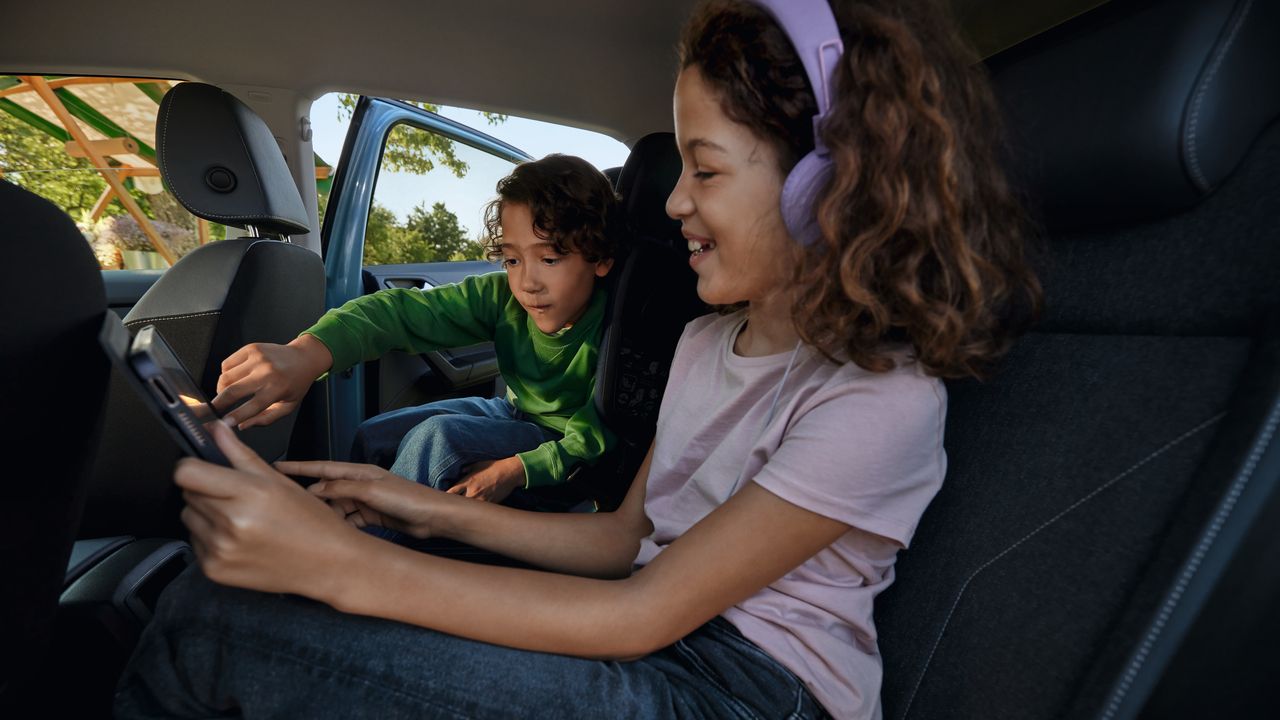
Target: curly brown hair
x=922 y=237
x=572 y=203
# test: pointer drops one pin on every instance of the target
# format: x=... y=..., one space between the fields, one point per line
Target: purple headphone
x=812 y=29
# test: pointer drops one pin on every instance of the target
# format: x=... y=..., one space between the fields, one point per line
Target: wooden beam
x=109 y=174
x=103 y=201
x=15 y=90
x=64 y=82
x=202 y=230
x=88 y=80
x=130 y=171
x=108 y=146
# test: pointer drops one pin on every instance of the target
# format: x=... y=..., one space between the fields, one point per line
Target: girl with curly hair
x=868 y=252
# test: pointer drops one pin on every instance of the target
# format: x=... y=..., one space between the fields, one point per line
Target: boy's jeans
x=434 y=443
x=215 y=651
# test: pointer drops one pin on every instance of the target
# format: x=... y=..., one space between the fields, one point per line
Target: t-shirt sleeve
x=412 y=320
x=869 y=455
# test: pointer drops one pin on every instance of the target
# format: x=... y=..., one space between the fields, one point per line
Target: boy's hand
x=491 y=480
x=273 y=378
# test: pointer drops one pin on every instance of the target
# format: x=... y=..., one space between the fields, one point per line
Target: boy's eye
x=551 y=260
x=703 y=174
x=509 y=262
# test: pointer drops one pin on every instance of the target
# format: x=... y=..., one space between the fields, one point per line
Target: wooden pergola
x=117 y=153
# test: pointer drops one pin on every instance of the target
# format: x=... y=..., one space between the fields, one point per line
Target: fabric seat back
x=1096 y=483
x=53 y=383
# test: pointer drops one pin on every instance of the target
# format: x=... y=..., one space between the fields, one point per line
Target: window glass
x=428 y=203
x=431 y=191
x=134 y=224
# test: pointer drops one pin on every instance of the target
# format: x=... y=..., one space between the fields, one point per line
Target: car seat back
x=1100 y=482
x=53 y=388
x=222 y=163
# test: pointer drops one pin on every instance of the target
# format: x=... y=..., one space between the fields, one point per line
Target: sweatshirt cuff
x=542 y=466
x=342 y=347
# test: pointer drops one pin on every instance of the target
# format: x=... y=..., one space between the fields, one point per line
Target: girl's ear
x=603 y=267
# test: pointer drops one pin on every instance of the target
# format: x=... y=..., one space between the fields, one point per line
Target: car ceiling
x=606 y=66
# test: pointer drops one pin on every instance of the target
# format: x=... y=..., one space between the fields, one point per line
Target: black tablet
x=164 y=385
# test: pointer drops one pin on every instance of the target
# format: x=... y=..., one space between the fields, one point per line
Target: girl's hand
x=368 y=495
x=273 y=378
x=491 y=480
x=252 y=527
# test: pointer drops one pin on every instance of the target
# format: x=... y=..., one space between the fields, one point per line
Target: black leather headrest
x=1140 y=108
x=223 y=164
x=647 y=179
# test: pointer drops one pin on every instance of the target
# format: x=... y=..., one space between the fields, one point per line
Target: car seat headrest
x=1138 y=110
x=220 y=161
x=647 y=179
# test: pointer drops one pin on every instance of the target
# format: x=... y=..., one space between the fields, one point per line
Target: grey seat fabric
x=1099 y=482
x=53 y=381
x=223 y=165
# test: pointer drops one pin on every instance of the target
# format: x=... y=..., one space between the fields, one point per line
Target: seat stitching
x=964 y=586
x=132 y=323
x=164 y=127
x=1193 y=159
x=1171 y=601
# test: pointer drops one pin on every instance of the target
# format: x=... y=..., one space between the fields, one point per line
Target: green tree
x=436 y=236
x=385 y=243
x=33 y=159
x=427 y=236
x=414 y=151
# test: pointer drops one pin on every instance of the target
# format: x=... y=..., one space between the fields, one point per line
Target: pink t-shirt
x=859 y=447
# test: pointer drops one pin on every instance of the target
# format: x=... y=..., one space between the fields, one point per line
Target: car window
x=431 y=190
x=51 y=130
x=428 y=202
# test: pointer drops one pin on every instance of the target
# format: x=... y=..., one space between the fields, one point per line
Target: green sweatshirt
x=550 y=378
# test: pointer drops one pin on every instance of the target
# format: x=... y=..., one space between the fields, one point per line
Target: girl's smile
x=727 y=200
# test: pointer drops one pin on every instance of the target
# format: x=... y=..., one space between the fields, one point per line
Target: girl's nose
x=679 y=204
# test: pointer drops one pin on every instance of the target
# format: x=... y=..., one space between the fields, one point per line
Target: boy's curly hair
x=573 y=206
x=922 y=236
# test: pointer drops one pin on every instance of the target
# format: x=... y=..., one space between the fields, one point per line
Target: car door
x=404 y=211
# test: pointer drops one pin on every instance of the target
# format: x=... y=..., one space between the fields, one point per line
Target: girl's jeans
x=214 y=651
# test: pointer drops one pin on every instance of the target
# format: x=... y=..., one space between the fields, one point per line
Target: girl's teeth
x=697 y=247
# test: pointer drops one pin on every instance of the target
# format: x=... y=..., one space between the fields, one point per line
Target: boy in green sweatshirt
x=552 y=227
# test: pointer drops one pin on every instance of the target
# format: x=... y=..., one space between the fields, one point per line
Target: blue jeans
x=432 y=444
x=214 y=651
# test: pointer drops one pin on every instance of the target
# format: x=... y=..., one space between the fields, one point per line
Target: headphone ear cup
x=800 y=193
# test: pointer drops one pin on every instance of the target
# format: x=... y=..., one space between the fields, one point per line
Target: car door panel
x=405 y=379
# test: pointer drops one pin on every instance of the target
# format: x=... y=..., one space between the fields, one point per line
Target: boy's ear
x=603 y=267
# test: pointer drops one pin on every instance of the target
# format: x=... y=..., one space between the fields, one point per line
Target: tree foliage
x=413 y=151
x=34 y=160
x=426 y=236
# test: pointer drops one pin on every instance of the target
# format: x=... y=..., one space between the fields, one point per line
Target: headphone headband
x=812 y=29
x=813 y=32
